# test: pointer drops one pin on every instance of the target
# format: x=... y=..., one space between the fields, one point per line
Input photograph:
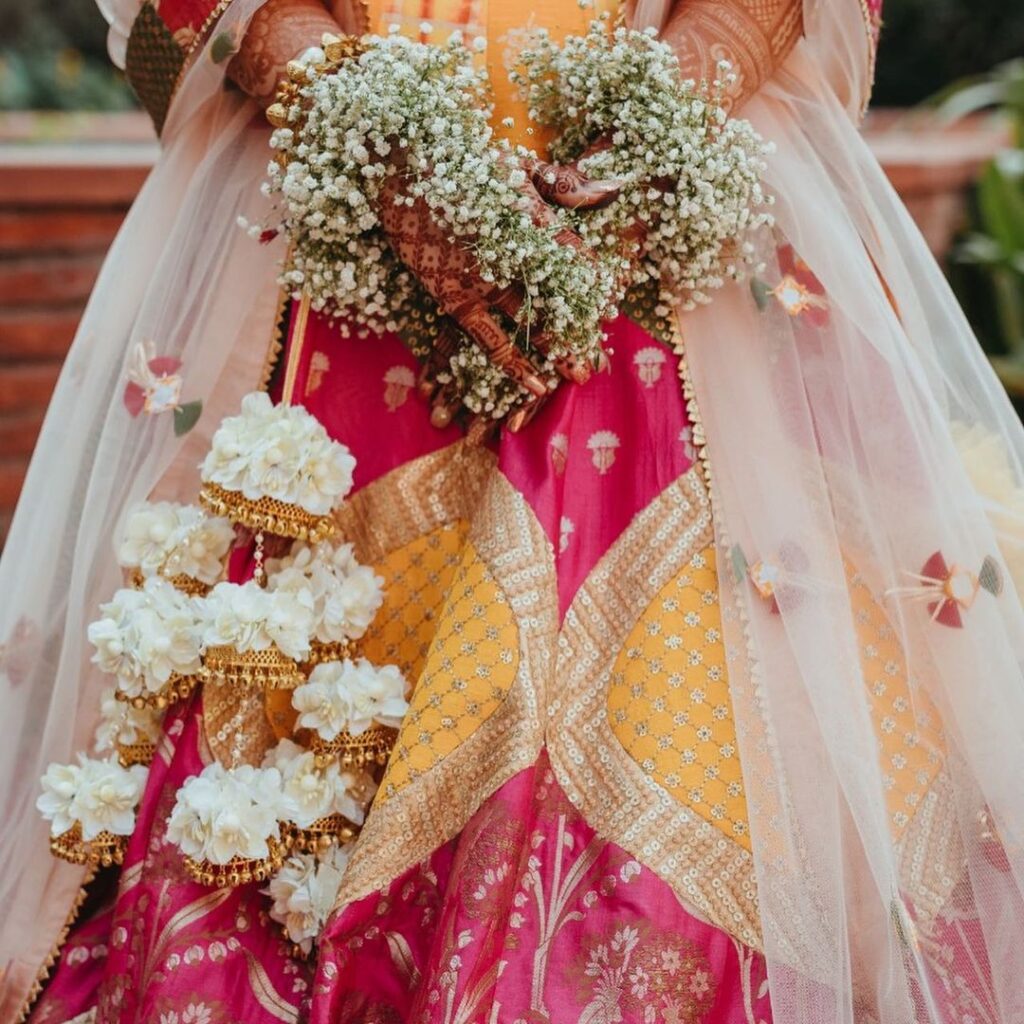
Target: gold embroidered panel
x=469 y=671
x=669 y=704
x=632 y=793
x=487 y=666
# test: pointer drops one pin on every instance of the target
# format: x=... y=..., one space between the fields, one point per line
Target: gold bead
x=276 y=114
x=296 y=71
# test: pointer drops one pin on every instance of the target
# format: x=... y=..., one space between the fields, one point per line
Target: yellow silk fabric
x=499 y=22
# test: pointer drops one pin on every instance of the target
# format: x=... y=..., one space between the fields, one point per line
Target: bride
x=715 y=709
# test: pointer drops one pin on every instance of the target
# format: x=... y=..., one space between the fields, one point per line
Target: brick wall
x=67 y=181
x=65 y=186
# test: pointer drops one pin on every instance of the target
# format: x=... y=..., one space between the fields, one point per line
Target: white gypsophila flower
x=422 y=111
x=224 y=813
x=249 y=618
x=691 y=175
x=350 y=696
x=145 y=636
x=170 y=539
x=107 y=796
x=346 y=595
x=98 y=795
x=280 y=452
x=304 y=891
x=122 y=724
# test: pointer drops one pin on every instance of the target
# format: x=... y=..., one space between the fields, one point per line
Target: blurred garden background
x=947 y=124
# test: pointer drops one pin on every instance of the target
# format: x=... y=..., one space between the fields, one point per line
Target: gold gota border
x=433 y=491
x=705 y=868
x=435 y=805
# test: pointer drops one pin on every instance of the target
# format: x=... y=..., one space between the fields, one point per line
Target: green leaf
x=221 y=47
x=978 y=248
x=739 y=563
x=761 y=292
x=1001 y=204
x=186 y=416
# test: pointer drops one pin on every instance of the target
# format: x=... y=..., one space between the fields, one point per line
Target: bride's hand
x=448 y=271
x=280 y=31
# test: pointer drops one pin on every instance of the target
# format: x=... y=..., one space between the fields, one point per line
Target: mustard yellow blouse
x=498 y=21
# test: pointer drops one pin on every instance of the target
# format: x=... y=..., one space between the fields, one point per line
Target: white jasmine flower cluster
x=350 y=696
x=100 y=796
x=346 y=595
x=224 y=813
x=310 y=793
x=145 y=636
x=692 y=176
x=249 y=618
x=422 y=111
x=122 y=724
x=280 y=452
x=304 y=892
x=167 y=539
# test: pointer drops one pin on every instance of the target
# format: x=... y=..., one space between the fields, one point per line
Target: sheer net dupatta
x=867 y=470
x=184 y=284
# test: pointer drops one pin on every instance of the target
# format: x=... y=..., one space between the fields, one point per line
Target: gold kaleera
x=331 y=830
x=370 y=747
x=178 y=687
x=238 y=870
x=103 y=851
x=188 y=585
x=269 y=669
x=268 y=515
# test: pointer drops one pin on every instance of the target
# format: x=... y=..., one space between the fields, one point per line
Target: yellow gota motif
x=905 y=720
x=416 y=576
x=668 y=699
x=469 y=671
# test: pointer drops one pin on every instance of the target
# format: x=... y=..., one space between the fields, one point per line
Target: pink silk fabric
x=527 y=916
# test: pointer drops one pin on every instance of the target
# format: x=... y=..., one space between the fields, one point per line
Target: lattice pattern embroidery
x=417 y=576
x=469 y=671
x=668 y=699
x=906 y=722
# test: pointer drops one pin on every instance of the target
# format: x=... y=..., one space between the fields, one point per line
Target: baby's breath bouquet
x=419 y=114
x=691 y=175
x=422 y=112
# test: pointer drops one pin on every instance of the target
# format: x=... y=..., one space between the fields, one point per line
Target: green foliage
x=54 y=58
x=990 y=280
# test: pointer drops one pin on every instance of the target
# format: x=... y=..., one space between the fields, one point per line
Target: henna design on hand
x=755 y=36
x=280 y=31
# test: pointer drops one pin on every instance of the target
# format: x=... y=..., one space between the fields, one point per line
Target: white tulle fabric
x=184 y=277
x=833 y=448
x=836 y=442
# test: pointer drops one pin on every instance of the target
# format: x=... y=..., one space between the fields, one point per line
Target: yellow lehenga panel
x=469 y=671
x=417 y=576
x=669 y=704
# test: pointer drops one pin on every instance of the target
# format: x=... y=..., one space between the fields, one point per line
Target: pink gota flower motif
x=949 y=590
x=798 y=291
x=154 y=386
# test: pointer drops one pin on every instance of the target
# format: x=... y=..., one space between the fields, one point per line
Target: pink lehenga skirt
x=560 y=835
